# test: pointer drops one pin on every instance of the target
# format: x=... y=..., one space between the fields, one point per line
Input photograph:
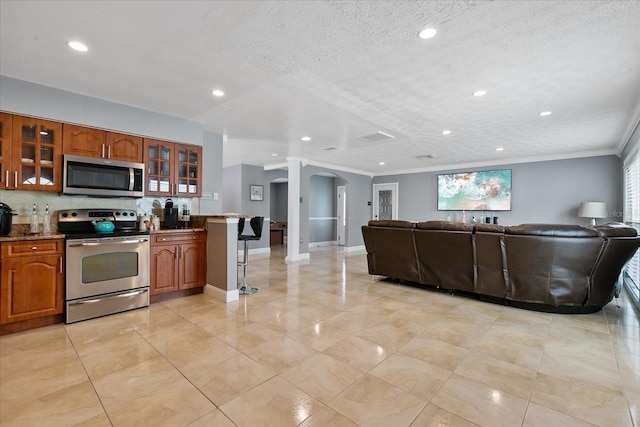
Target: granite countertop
x=178 y=230
x=17 y=237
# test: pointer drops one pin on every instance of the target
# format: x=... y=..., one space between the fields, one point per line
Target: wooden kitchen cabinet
x=90 y=142
x=5 y=148
x=35 y=155
x=172 y=169
x=178 y=261
x=32 y=284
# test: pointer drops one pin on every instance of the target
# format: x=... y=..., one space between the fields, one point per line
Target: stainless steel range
x=107 y=272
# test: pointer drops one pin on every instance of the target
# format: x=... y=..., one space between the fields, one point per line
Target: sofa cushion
x=489 y=228
x=551 y=230
x=444 y=225
x=391 y=223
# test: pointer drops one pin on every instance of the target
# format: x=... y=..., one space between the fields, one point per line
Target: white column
x=293 y=214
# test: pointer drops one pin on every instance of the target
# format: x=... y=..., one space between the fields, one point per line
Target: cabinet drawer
x=167 y=238
x=32 y=247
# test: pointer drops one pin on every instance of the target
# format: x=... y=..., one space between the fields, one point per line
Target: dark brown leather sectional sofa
x=557 y=268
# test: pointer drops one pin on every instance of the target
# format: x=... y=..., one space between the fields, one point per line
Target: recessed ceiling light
x=446 y=132
x=499 y=149
x=274 y=154
x=381 y=163
x=80 y=47
x=306 y=138
x=545 y=113
x=480 y=93
x=217 y=92
x=427 y=33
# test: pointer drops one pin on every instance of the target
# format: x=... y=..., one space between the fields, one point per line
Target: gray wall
x=322 y=209
x=20 y=97
x=358 y=189
x=542 y=192
x=236 y=182
x=279 y=201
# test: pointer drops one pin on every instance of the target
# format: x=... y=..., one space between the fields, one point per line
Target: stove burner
x=78 y=223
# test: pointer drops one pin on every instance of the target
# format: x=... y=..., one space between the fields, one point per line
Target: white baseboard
x=256 y=251
x=349 y=249
x=299 y=257
x=219 y=294
x=319 y=244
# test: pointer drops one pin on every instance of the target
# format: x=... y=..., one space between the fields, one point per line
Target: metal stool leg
x=245 y=289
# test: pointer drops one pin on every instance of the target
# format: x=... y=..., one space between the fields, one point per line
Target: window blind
x=632 y=217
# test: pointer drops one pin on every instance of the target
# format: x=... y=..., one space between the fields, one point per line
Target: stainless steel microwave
x=96 y=177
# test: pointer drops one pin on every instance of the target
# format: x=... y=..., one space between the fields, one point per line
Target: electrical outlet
x=215 y=196
x=301 y=240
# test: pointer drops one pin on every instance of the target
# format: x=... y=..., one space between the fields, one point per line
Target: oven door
x=106 y=265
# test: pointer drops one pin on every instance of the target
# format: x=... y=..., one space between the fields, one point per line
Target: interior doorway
x=341 y=205
x=385 y=201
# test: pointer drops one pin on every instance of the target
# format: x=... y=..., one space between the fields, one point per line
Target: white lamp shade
x=593 y=210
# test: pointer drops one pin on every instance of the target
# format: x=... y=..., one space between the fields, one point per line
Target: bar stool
x=256 y=224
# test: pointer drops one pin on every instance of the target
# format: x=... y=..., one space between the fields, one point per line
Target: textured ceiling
x=339 y=70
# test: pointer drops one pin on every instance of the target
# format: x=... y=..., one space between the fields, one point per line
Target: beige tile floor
x=325 y=344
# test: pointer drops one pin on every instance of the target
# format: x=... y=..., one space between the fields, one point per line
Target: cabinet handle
x=61 y=265
x=175 y=254
x=15 y=179
x=102 y=151
x=34 y=248
x=180 y=248
x=6 y=179
x=163 y=239
x=109 y=152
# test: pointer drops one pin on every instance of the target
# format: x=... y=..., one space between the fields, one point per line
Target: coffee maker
x=170 y=215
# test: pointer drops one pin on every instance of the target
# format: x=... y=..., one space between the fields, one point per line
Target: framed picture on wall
x=256 y=192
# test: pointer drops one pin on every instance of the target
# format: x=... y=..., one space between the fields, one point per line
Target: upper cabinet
x=5 y=149
x=188 y=170
x=172 y=169
x=36 y=155
x=84 y=141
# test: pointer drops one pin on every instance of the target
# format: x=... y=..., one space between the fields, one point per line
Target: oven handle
x=110 y=242
x=93 y=301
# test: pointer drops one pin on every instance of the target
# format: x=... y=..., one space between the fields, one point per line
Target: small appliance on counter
x=6 y=218
x=185 y=217
x=170 y=215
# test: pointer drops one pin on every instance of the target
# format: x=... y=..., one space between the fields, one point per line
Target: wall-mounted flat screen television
x=475 y=191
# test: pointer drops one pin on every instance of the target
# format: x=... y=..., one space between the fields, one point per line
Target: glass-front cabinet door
x=188 y=170
x=159 y=158
x=5 y=150
x=37 y=155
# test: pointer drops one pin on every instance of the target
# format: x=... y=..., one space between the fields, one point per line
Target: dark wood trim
x=10 y=328
x=166 y=296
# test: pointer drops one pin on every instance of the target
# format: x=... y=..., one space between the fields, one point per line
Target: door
x=385 y=201
x=342 y=215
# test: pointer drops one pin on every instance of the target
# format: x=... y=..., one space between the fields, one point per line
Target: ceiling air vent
x=425 y=156
x=376 y=137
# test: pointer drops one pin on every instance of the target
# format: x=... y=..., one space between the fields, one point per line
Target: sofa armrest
x=616 y=229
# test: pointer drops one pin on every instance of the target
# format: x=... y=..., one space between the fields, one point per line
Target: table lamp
x=593 y=210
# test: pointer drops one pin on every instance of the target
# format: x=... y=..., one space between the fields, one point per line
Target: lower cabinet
x=178 y=261
x=32 y=279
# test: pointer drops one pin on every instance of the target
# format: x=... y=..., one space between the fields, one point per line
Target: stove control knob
x=117 y=213
x=132 y=213
x=64 y=215
x=74 y=214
